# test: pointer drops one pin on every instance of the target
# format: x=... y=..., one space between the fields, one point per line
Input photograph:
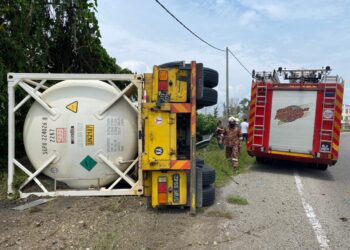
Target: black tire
x=261 y=160
x=199 y=161
x=211 y=78
x=208 y=196
x=199 y=107
x=322 y=167
x=210 y=98
x=208 y=176
x=175 y=64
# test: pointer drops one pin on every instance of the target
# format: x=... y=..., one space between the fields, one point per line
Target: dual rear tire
x=210 y=95
x=208 y=179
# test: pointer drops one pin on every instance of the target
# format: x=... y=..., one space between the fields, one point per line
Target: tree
x=244 y=107
x=234 y=109
x=216 y=112
x=48 y=36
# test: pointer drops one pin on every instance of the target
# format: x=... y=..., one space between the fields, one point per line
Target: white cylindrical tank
x=78 y=134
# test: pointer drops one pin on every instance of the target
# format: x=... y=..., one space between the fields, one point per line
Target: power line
x=239 y=62
x=214 y=47
x=171 y=14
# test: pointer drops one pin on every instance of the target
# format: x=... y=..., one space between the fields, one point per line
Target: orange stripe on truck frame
x=181 y=107
x=337 y=120
x=180 y=164
x=251 y=115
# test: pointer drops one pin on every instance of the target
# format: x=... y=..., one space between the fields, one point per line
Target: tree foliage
x=237 y=108
x=244 y=106
x=48 y=36
x=206 y=125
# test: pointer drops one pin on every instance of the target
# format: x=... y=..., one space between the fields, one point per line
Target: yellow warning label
x=89 y=134
x=73 y=106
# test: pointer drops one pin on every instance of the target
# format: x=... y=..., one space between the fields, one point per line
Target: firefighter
x=232 y=141
x=219 y=134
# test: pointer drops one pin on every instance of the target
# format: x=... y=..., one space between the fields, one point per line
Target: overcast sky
x=264 y=34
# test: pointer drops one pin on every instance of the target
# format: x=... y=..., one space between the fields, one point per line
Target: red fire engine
x=297 y=118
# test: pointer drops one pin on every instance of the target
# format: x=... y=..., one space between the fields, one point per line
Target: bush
x=206 y=125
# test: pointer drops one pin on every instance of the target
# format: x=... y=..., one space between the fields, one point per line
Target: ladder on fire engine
x=259 y=118
x=328 y=111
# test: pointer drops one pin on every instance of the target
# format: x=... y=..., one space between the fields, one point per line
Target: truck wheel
x=208 y=196
x=260 y=159
x=208 y=176
x=210 y=98
x=200 y=106
x=322 y=167
x=211 y=78
x=199 y=161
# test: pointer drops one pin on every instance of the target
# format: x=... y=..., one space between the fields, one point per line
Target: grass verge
x=19 y=178
x=235 y=199
x=216 y=158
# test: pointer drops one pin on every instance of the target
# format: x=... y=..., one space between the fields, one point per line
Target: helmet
x=231 y=119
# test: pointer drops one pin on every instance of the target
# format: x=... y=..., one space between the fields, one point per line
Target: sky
x=264 y=35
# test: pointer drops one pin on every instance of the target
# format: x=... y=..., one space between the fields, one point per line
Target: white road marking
x=316 y=225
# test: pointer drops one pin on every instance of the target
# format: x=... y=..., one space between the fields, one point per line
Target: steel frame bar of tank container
x=11 y=135
x=114 y=100
x=38 y=85
x=25 y=99
x=22 y=80
x=116 y=169
x=37 y=98
x=125 y=97
x=125 y=172
x=39 y=170
x=26 y=171
x=62 y=76
x=100 y=192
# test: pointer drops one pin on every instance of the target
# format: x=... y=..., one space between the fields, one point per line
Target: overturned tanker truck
x=295 y=115
x=113 y=134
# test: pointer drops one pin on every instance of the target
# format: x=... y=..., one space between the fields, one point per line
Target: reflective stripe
x=181 y=108
x=291 y=154
x=180 y=164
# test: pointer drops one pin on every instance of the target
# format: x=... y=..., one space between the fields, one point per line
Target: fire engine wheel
x=210 y=98
x=211 y=78
x=208 y=196
x=208 y=176
x=261 y=160
x=322 y=167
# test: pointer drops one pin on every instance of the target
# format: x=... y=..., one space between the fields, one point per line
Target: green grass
x=19 y=178
x=107 y=241
x=235 y=199
x=216 y=158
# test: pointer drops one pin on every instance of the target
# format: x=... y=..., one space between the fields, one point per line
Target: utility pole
x=227 y=94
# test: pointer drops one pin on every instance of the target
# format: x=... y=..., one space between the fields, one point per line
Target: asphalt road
x=291 y=206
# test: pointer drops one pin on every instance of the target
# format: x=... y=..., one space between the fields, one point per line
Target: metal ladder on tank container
x=329 y=97
x=260 y=104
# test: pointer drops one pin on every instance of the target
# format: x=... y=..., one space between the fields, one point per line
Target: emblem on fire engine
x=327 y=114
x=291 y=113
